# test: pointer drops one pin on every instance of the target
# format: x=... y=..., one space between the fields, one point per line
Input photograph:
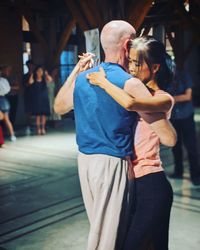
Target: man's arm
x=186 y=97
x=64 y=99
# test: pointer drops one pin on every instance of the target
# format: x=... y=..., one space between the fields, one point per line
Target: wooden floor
x=41 y=206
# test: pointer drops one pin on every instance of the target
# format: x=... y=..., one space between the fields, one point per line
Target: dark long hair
x=35 y=72
x=152 y=51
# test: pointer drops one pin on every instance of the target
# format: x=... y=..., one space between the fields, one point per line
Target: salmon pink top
x=147 y=146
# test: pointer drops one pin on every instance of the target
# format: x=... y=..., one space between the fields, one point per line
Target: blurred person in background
x=183 y=121
x=12 y=96
x=5 y=106
x=52 y=89
x=39 y=101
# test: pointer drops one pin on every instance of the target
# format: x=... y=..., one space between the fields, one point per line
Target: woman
x=152 y=192
x=40 y=102
x=5 y=106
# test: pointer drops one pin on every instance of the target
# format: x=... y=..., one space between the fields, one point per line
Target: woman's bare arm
x=30 y=80
x=48 y=78
x=157 y=121
x=148 y=104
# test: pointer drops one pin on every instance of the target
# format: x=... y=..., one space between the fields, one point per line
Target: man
x=104 y=135
x=182 y=119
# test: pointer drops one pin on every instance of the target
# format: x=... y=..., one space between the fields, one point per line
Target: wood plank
x=63 y=40
x=103 y=7
x=137 y=12
x=170 y=37
x=193 y=26
x=38 y=5
x=146 y=30
x=25 y=11
x=188 y=50
x=91 y=18
x=74 y=9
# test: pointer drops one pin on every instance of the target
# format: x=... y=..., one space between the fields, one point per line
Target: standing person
x=12 y=96
x=152 y=192
x=28 y=94
x=5 y=106
x=52 y=86
x=104 y=135
x=40 y=101
x=183 y=121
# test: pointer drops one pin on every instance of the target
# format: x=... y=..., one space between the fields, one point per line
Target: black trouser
x=151 y=212
x=186 y=134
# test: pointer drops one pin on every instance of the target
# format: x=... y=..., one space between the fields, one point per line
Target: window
x=68 y=60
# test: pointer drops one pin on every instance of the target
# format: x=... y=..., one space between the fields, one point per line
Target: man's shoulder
x=84 y=73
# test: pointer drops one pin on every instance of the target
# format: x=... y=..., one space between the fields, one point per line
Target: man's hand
x=86 y=61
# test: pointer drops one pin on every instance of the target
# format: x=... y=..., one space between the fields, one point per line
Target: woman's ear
x=155 y=68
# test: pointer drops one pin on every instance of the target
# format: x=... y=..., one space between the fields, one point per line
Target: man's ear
x=155 y=68
x=126 y=47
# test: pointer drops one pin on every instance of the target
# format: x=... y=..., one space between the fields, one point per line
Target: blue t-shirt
x=182 y=81
x=102 y=125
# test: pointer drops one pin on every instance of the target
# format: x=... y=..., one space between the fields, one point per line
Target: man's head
x=115 y=36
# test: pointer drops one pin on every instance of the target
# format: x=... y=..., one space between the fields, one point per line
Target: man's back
x=102 y=125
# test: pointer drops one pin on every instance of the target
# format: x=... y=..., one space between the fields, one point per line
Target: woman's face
x=39 y=72
x=140 y=71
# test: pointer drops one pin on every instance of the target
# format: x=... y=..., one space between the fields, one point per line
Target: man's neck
x=112 y=59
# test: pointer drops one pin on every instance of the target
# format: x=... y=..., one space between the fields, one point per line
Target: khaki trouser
x=103 y=182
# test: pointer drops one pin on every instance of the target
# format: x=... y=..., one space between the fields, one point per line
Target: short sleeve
x=187 y=80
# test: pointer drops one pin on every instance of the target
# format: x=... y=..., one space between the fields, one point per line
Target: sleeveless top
x=102 y=125
x=147 y=146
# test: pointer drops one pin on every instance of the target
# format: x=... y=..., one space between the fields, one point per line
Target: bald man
x=104 y=133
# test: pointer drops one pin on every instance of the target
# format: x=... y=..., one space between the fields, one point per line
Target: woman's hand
x=97 y=78
x=30 y=80
x=86 y=61
x=48 y=78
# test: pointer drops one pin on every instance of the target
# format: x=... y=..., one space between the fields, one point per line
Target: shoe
x=196 y=181
x=13 y=138
x=39 y=132
x=28 y=131
x=43 y=132
x=176 y=176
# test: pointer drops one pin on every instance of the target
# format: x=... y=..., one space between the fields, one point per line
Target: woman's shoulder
x=166 y=94
x=162 y=92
